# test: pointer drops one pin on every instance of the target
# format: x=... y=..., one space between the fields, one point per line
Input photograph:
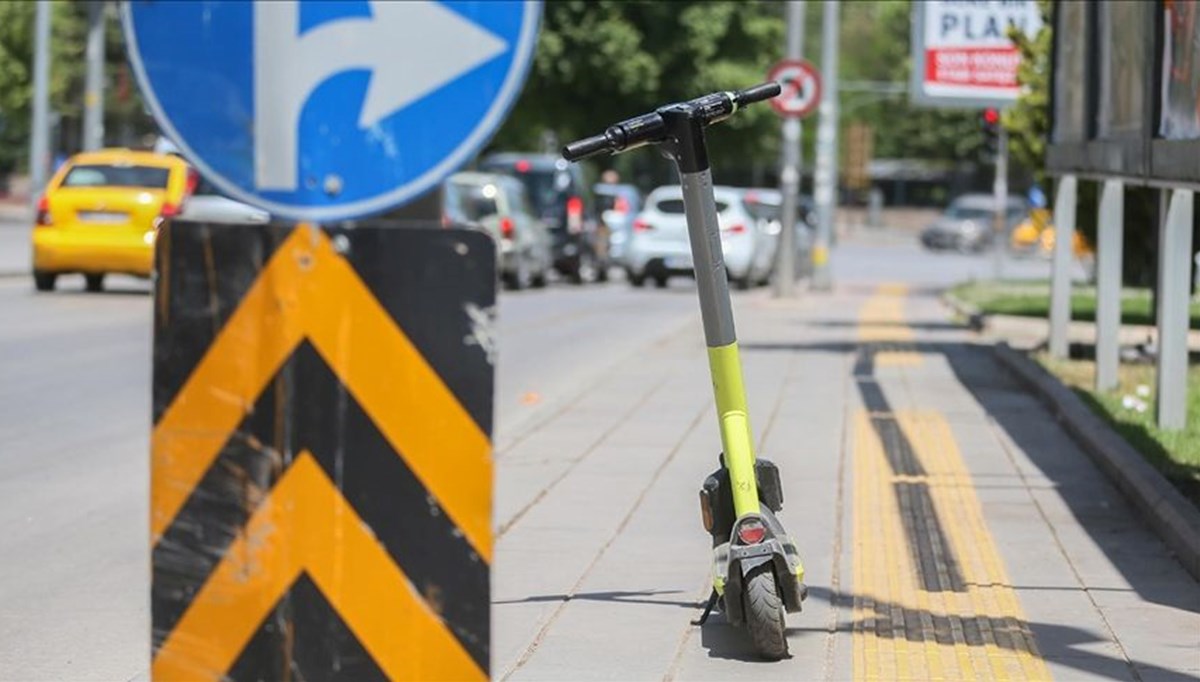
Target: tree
x=1028 y=121
x=68 y=25
x=68 y=31
x=876 y=47
x=599 y=62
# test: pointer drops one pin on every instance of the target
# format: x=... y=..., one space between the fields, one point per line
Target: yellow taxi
x=1036 y=235
x=101 y=211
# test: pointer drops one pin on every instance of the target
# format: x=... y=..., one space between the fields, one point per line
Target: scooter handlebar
x=588 y=146
x=649 y=128
x=757 y=93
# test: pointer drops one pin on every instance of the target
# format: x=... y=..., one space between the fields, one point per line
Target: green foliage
x=599 y=62
x=68 y=26
x=1028 y=121
x=876 y=46
x=68 y=37
x=1031 y=298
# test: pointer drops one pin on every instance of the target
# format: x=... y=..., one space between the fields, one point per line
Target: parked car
x=101 y=211
x=967 y=223
x=498 y=205
x=766 y=205
x=619 y=206
x=660 y=248
x=565 y=203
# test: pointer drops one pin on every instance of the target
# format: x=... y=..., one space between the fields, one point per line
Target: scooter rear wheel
x=764 y=613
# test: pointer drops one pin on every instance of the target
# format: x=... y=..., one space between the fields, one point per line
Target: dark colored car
x=564 y=201
x=967 y=223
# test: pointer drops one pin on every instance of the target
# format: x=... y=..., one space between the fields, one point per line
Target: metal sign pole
x=789 y=176
x=93 y=94
x=39 y=146
x=825 y=190
x=1175 y=254
x=1000 y=189
x=1108 y=284
x=1060 y=277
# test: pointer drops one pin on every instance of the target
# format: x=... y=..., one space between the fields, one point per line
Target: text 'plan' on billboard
x=961 y=52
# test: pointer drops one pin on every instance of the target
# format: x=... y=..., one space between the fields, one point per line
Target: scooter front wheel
x=764 y=613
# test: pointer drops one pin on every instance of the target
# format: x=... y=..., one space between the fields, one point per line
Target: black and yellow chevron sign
x=321 y=479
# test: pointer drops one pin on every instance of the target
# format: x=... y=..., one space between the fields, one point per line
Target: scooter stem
x=688 y=148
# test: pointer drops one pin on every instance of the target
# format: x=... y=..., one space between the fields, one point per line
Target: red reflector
x=736 y=228
x=640 y=225
x=574 y=207
x=751 y=533
x=169 y=210
x=193 y=179
x=522 y=166
x=506 y=227
x=43 y=211
x=621 y=205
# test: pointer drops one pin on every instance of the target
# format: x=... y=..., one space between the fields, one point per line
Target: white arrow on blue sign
x=330 y=110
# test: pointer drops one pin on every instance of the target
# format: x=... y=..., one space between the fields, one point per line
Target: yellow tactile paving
x=954 y=616
x=932 y=598
x=881 y=324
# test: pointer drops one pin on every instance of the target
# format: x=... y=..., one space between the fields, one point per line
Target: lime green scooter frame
x=734 y=419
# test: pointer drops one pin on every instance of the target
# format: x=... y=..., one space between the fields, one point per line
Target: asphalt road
x=75 y=420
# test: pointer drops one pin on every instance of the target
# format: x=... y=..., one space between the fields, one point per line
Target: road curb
x=976 y=318
x=1165 y=509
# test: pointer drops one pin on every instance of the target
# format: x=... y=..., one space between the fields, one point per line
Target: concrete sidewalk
x=950 y=528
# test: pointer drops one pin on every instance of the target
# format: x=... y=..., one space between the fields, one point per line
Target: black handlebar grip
x=588 y=146
x=758 y=93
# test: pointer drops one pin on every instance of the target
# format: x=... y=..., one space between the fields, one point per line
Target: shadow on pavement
x=851 y=324
x=621 y=596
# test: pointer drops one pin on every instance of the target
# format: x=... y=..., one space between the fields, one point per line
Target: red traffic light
x=991 y=116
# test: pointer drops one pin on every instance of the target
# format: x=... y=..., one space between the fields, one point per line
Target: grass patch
x=1175 y=453
x=1031 y=298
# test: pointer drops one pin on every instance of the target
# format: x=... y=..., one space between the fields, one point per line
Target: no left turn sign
x=801 y=87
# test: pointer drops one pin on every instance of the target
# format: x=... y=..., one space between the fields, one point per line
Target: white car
x=660 y=248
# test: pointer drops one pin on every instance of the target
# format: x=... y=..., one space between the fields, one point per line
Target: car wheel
x=661 y=281
x=635 y=279
x=585 y=270
x=520 y=279
x=44 y=281
x=539 y=280
x=94 y=282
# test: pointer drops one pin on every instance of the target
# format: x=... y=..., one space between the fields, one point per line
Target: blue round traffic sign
x=321 y=110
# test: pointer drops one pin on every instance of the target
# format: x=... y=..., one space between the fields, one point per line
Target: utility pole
x=39 y=147
x=789 y=175
x=825 y=189
x=93 y=93
x=1000 y=189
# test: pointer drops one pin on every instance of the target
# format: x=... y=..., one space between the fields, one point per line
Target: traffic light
x=989 y=124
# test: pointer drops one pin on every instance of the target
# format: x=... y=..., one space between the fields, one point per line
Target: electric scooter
x=757 y=573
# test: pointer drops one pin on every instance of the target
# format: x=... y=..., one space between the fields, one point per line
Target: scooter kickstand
x=712 y=601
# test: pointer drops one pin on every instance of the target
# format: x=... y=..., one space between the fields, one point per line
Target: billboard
x=962 y=56
x=1180 y=118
